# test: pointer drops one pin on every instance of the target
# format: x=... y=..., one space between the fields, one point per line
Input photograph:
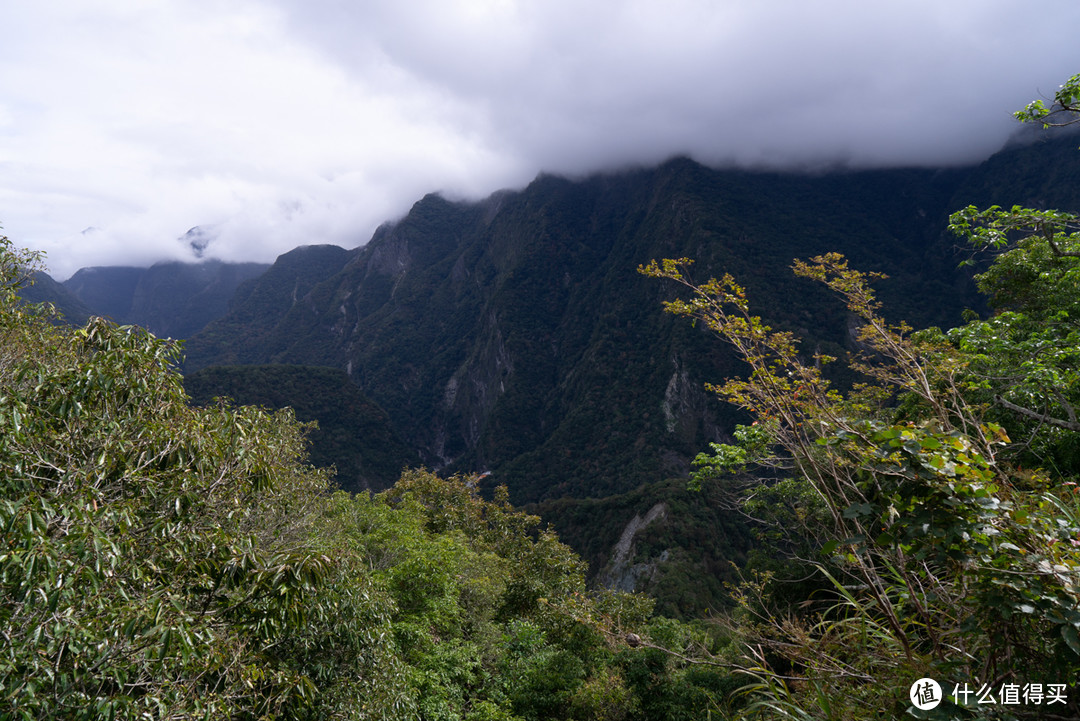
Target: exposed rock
x=620 y=574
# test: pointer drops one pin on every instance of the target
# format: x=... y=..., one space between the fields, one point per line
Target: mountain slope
x=46 y=290
x=514 y=335
x=106 y=290
x=248 y=334
x=169 y=299
x=353 y=433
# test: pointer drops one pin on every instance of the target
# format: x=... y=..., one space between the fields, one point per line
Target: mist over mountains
x=170 y=299
x=514 y=335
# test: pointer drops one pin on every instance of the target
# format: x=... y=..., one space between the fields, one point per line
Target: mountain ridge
x=170 y=298
x=503 y=334
x=513 y=335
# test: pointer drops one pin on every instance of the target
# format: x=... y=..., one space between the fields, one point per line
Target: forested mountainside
x=514 y=335
x=353 y=434
x=259 y=302
x=46 y=290
x=170 y=299
x=165 y=561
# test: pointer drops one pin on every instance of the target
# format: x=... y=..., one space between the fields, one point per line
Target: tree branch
x=1067 y=425
x=1048 y=233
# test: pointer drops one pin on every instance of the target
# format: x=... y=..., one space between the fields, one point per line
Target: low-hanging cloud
x=279 y=122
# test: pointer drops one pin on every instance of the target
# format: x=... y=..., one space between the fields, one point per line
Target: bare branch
x=1027 y=412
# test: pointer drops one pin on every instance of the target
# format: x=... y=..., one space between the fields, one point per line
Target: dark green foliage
x=1037 y=174
x=352 y=433
x=683 y=558
x=258 y=304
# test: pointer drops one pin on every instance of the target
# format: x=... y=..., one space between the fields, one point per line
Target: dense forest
x=350 y=432
x=164 y=560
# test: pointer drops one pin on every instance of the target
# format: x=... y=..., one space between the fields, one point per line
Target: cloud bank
x=277 y=123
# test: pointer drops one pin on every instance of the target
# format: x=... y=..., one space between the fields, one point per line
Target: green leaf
x=1071 y=638
x=858 y=509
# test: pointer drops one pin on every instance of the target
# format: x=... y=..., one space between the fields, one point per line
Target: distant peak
x=198 y=238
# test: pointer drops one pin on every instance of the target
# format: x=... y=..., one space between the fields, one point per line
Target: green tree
x=1062 y=110
x=492 y=617
x=157 y=560
x=938 y=496
x=1024 y=359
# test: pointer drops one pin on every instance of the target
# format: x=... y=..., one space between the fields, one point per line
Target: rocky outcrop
x=621 y=573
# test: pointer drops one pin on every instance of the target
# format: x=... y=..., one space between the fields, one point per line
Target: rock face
x=515 y=336
x=623 y=575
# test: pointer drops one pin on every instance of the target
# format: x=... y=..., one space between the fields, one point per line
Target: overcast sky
x=277 y=123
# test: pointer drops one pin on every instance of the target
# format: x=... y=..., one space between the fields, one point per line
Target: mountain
x=353 y=434
x=170 y=299
x=46 y=290
x=248 y=334
x=106 y=290
x=515 y=336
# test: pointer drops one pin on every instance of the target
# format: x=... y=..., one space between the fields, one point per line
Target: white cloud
x=282 y=122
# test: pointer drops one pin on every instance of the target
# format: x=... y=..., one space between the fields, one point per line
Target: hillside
x=170 y=299
x=515 y=336
x=46 y=290
x=247 y=334
x=353 y=434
